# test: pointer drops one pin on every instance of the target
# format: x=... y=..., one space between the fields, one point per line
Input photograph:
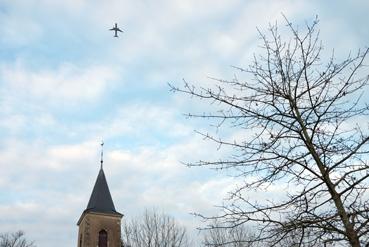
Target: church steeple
x=101 y=200
x=99 y=224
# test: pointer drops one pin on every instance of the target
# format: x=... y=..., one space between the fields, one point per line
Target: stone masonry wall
x=93 y=223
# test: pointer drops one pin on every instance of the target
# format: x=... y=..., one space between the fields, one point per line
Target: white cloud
x=68 y=83
x=14 y=123
x=49 y=162
x=18 y=30
x=47 y=178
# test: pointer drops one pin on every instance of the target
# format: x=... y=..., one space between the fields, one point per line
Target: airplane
x=116 y=30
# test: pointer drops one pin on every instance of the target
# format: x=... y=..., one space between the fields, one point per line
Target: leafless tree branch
x=305 y=125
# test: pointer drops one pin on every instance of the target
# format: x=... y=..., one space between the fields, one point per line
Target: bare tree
x=154 y=230
x=220 y=236
x=15 y=239
x=302 y=124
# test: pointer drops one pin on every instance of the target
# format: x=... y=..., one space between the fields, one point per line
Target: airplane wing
x=119 y=30
x=112 y=29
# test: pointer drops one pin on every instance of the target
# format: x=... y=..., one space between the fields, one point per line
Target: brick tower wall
x=93 y=223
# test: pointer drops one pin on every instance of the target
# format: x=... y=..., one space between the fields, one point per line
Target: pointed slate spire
x=101 y=200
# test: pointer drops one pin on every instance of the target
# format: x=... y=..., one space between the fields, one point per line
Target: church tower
x=100 y=224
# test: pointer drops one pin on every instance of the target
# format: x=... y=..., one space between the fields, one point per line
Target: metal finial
x=102 y=155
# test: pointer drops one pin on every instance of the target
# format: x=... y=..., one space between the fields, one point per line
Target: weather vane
x=116 y=30
x=102 y=155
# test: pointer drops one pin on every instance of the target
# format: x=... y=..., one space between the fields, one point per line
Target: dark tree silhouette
x=303 y=126
x=220 y=236
x=155 y=230
x=15 y=239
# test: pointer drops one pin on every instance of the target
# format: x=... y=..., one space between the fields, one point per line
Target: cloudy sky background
x=66 y=83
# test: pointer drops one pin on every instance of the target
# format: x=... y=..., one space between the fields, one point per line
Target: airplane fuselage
x=116 y=30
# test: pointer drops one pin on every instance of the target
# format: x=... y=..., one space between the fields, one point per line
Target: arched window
x=103 y=238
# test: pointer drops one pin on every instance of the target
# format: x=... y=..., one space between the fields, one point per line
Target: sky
x=66 y=84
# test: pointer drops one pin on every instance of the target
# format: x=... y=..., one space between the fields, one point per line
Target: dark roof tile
x=101 y=200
